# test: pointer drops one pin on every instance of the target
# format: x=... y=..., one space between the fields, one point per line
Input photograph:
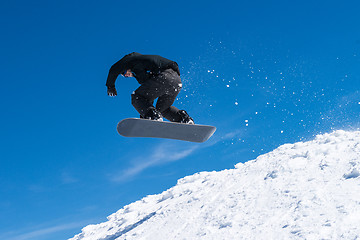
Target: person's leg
x=143 y=98
x=172 y=113
x=171 y=85
x=164 y=105
x=166 y=86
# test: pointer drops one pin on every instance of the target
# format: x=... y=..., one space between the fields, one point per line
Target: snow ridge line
x=306 y=190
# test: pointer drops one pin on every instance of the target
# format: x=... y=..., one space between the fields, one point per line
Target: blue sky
x=264 y=73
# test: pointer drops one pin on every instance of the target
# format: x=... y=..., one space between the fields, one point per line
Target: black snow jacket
x=143 y=67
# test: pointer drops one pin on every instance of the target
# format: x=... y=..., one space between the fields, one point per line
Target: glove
x=111 y=91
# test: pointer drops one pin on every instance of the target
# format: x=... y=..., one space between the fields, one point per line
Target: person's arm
x=114 y=72
x=116 y=69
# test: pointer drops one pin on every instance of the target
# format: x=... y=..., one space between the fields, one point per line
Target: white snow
x=306 y=190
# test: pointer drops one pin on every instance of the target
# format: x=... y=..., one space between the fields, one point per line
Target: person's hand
x=111 y=91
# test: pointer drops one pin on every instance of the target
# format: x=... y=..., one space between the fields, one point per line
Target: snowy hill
x=306 y=190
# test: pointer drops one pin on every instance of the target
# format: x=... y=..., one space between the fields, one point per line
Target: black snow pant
x=164 y=87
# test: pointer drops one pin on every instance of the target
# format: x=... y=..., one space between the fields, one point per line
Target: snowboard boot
x=185 y=118
x=153 y=114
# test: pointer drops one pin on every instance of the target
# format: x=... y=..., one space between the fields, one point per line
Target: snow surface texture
x=306 y=190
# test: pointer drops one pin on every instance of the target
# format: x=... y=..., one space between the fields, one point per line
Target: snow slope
x=306 y=190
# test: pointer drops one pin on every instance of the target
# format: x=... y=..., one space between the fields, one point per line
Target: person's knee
x=135 y=98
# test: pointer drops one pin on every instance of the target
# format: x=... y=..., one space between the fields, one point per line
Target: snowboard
x=138 y=127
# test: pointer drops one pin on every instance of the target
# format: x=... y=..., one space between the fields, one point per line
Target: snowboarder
x=159 y=79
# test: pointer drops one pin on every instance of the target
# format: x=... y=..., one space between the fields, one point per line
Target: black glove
x=111 y=91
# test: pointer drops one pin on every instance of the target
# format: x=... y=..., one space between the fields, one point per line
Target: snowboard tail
x=136 y=127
